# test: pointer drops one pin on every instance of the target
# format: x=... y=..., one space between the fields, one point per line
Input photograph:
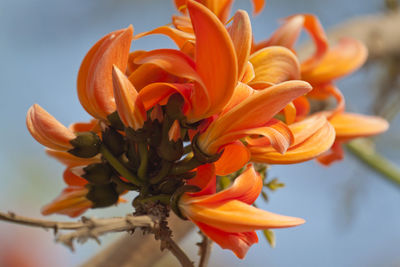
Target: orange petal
x=258 y=6
x=334 y=154
x=70 y=160
x=205 y=179
x=255 y=111
x=72 y=179
x=131 y=61
x=179 y=37
x=47 y=130
x=302 y=106
x=158 y=93
x=216 y=61
x=248 y=74
x=290 y=113
x=95 y=88
x=241 y=34
x=182 y=23
x=234 y=157
x=314 y=145
x=236 y=216
x=72 y=201
x=129 y=106
x=149 y=73
x=239 y=243
x=242 y=91
x=246 y=188
x=347 y=56
x=174 y=133
x=274 y=64
x=286 y=35
x=173 y=62
x=79 y=127
x=351 y=125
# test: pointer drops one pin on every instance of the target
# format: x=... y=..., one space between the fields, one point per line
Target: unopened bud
x=115 y=121
x=114 y=141
x=86 y=145
x=175 y=106
x=102 y=195
x=97 y=173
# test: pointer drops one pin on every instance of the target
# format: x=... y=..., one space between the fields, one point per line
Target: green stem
x=118 y=166
x=185 y=166
x=144 y=160
x=166 y=166
x=374 y=160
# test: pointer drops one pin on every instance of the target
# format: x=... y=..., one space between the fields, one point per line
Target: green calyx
x=86 y=145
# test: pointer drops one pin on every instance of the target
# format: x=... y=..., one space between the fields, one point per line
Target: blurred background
x=352 y=213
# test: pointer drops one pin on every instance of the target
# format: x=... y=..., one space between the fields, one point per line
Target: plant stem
x=374 y=160
x=118 y=166
x=144 y=160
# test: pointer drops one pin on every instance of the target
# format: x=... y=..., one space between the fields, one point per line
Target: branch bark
x=137 y=250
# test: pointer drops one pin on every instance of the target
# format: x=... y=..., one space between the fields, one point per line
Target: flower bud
x=86 y=145
x=102 y=195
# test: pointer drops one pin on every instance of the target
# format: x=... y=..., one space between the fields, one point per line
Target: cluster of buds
x=170 y=123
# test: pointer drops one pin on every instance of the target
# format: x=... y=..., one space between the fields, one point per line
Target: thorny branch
x=93 y=228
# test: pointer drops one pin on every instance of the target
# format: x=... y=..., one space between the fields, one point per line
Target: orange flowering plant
x=191 y=129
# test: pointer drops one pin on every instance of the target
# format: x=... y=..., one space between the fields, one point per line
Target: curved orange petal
x=205 y=179
x=246 y=188
x=274 y=64
x=47 y=130
x=216 y=61
x=182 y=23
x=351 y=125
x=79 y=127
x=129 y=105
x=95 y=88
x=70 y=160
x=234 y=157
x=345 y=57
x=179 y=37
x=149 y=73
x=239 y=243
x=242 y=91
x=237 y=216
x=312 y=146
x=255 y=111
x=72 y=179
x=131 y=67
x=286 y=35
x=334 y=154
x=302 y=106
x=290 y=113
x=72 y=202
x=173 y=62
x=258 y=6
x=248 y=74
x=241 y=34
x=156 y=93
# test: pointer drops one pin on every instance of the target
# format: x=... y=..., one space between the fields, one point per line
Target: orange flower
x=227 y=217
x=47 y=130
x=209 y=80
x=253 y=116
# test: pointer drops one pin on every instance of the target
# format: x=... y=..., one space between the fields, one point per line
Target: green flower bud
x=86 y=145
x=114 y=141
x=102 y=195
x=98 y=173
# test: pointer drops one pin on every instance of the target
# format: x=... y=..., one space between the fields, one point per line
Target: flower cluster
x=169 y=123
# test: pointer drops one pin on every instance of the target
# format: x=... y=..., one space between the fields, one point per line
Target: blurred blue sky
x=352 y=214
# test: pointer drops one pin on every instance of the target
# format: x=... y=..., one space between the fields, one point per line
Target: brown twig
x=87 y=228
x=178 y=252
x=131 y=250
x=204 y=250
